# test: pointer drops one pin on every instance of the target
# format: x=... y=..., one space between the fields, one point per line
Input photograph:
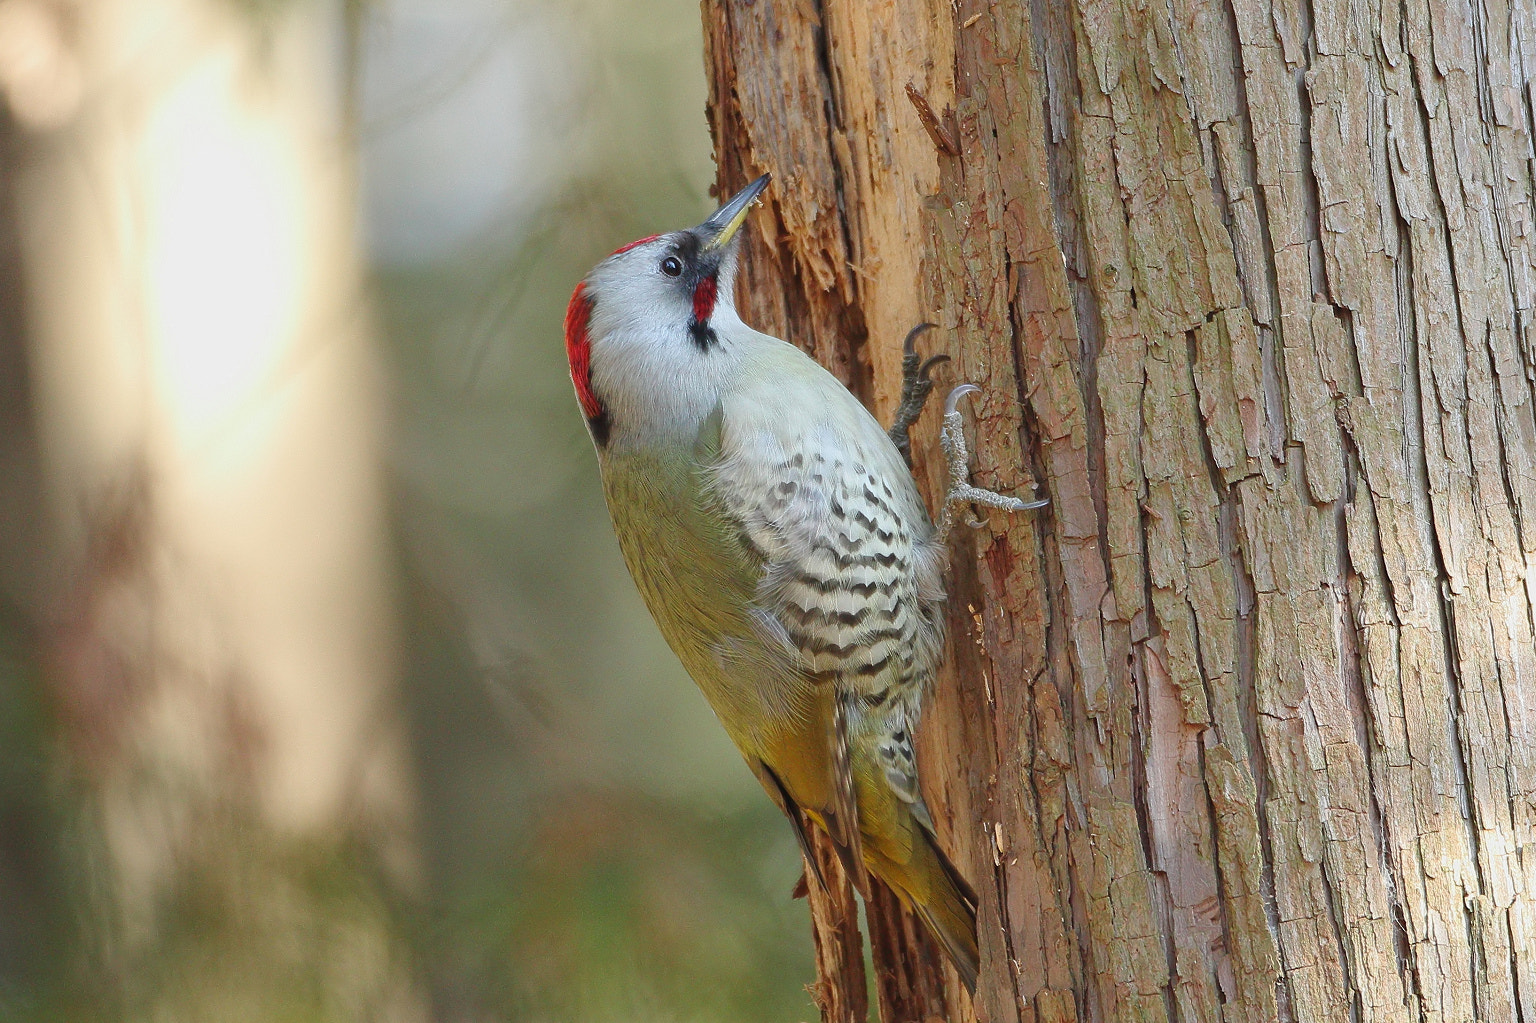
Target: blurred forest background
x=323 y=692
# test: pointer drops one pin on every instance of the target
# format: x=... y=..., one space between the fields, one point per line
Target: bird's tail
x=950 y=913
x=933 y=888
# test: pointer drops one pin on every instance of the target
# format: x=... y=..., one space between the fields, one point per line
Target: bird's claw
x=957 y=456
x=915 y=386
x=952 y=404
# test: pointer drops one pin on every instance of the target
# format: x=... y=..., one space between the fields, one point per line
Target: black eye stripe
x=686 y=247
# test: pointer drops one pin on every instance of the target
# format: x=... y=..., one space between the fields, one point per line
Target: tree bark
x=1241 y=727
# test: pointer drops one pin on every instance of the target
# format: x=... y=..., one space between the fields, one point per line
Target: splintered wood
x=1243 y=727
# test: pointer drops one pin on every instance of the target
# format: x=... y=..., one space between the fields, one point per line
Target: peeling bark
x=1240 y=728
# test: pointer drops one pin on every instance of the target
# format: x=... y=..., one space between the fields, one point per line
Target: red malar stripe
x=703 y=300
x=578 y=350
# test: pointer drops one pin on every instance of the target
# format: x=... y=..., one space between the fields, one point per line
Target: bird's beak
x=719 y=229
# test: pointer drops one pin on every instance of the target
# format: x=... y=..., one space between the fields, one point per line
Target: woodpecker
x=777 y=536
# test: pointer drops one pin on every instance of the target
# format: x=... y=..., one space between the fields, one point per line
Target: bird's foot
x=952 y=437
x=915 y=386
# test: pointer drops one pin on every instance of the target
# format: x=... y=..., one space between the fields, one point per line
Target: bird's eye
x=672 y=266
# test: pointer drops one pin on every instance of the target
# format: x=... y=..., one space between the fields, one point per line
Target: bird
x=776 y=534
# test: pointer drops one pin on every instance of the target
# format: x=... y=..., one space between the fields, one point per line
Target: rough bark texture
x=1242 y=727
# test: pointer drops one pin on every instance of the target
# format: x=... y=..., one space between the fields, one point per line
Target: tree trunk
x=1241 y=728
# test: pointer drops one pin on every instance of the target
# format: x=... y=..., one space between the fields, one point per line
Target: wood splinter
x=942 y=139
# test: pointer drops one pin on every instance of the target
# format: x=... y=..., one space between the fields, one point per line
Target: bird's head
x=644 y=329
